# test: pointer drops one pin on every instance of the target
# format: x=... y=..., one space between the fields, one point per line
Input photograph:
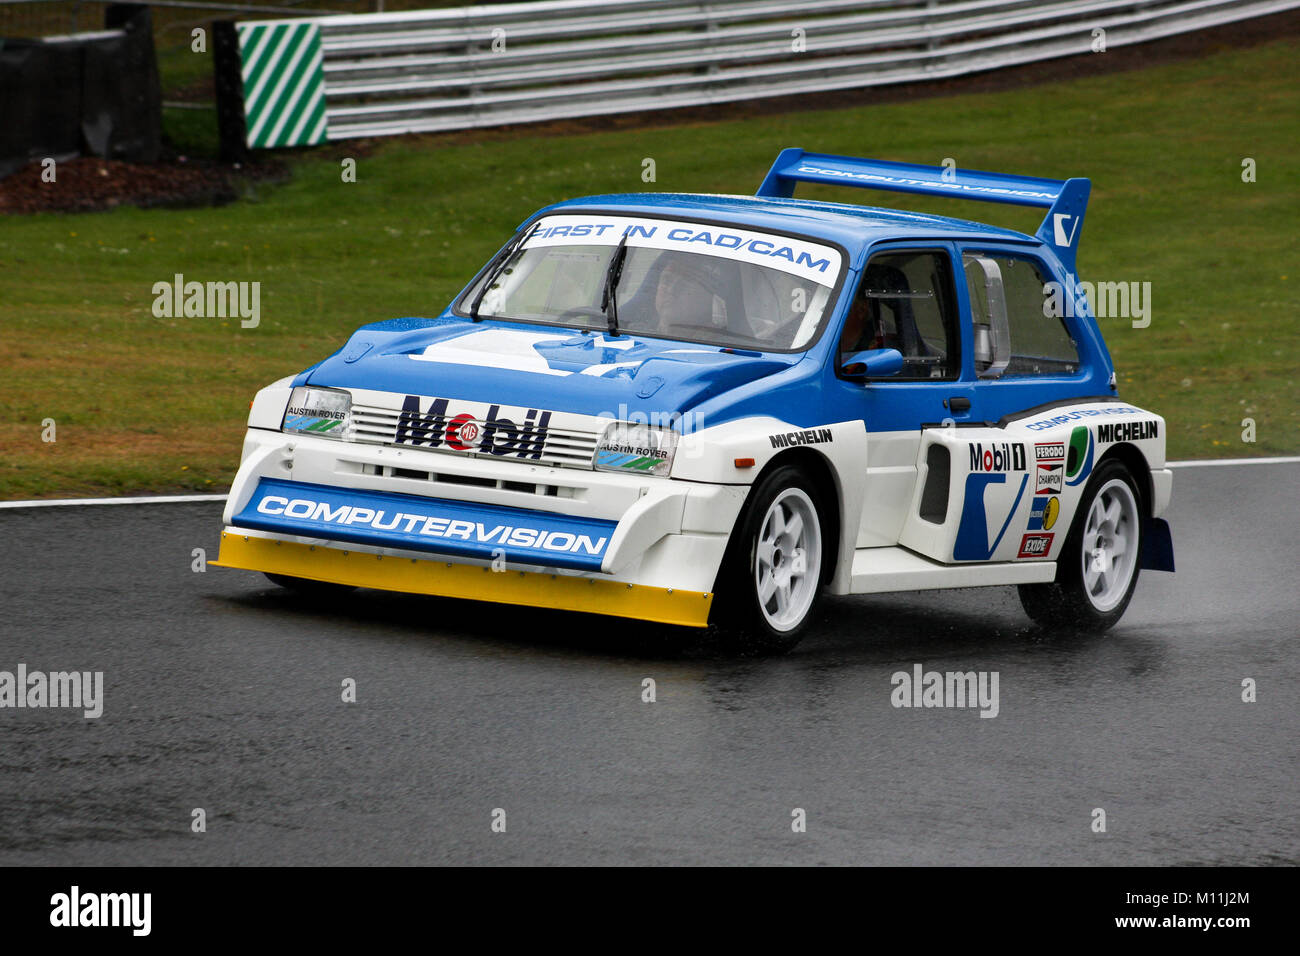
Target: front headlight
x=643 y=449
x=319 y=411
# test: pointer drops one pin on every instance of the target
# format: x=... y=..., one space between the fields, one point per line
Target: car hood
x=540 y=366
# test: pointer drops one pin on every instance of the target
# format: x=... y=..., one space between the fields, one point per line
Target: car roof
x=851 y=226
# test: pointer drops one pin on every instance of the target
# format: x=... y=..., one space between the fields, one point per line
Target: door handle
x=957 y=403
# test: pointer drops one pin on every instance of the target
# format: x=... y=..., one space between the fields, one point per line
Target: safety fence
x=305 y=80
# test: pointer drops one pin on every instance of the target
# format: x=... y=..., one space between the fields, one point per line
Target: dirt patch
x=88 y=183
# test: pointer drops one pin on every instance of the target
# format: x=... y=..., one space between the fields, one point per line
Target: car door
x=1025 y=354
x=906 y=298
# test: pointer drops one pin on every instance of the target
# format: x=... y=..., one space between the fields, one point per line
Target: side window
x=906 y=301
x=1014 y=332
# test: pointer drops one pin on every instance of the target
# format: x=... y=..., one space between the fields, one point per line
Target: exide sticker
x=1035 y=545
x=437 y=425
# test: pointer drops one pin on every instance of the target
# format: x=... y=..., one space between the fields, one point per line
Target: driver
x=684 y=293
x=866 y=327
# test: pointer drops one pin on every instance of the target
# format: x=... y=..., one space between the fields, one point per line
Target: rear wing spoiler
x=1066 y=201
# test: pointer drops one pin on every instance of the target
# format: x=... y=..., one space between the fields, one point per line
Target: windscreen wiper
x=609 y=302
x=498 y=265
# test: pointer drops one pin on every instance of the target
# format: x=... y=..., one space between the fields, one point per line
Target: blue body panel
x=434 y=525
x=662 y=377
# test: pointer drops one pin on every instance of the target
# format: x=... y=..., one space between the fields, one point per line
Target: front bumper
x=652 y=546
x=450 y=579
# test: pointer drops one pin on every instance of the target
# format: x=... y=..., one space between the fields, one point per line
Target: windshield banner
x=798 y=257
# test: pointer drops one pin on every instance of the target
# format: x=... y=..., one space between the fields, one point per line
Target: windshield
x=680 y=280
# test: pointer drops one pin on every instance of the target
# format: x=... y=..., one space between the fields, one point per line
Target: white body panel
x=877 y=570
x=672 y=533
x=891 y=477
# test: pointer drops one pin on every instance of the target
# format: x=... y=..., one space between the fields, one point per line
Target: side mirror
x=875 y=363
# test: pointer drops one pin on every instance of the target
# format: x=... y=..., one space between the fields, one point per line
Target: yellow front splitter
x=444 y=579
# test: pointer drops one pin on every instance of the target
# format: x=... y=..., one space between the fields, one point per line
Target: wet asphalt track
x=223 y=692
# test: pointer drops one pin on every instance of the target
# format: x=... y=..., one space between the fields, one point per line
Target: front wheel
x=771 y=579
x=1098 y=567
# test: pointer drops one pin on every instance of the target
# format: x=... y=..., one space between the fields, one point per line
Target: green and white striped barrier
x=284 y=85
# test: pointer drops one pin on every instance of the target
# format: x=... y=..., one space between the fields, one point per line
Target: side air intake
x=934 y=496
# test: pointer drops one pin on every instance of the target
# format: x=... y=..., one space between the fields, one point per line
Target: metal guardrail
x=434 y=70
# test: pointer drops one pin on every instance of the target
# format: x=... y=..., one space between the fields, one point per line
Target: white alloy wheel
x=788 y=559
x=1110 y=545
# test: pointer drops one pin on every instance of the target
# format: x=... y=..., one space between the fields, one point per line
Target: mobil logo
x=438 y=425
x=997 y=457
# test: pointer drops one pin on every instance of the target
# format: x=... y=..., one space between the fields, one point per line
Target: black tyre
x=307 y=587
x=771 y=578
x=1098 y=567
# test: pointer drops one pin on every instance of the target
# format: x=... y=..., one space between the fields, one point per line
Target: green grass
x=158 y=404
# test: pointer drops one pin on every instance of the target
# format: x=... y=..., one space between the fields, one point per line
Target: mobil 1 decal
x=994 y=488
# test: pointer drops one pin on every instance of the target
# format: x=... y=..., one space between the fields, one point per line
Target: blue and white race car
x=710 y=410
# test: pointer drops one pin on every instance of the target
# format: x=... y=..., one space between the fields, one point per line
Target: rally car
x=710 y=410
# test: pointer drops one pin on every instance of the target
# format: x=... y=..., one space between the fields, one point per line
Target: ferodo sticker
x=1049 y=468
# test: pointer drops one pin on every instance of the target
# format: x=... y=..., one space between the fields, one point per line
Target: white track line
x=1212 y=462
x=153 y=500
x=182 y=499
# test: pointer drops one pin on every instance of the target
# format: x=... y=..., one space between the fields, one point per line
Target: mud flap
x=1157 y=546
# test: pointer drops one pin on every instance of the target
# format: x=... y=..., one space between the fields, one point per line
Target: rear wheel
x=771 y=579
x=1097 y=570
